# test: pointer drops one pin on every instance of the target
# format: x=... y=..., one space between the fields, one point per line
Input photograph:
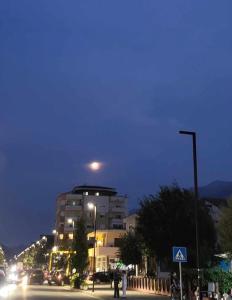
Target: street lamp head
x=55 y=248
x=53 y=231
x=91 y=205
x=70 y=221
x=187 y=132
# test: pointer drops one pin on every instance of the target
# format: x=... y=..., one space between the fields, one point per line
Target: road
x=44 y=292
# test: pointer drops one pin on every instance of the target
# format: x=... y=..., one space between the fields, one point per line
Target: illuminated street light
x=55 y=248
x=53 y=231
x=91 y=205
x=71 y=221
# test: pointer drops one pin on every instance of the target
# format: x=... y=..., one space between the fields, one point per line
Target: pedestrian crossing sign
x=179 y=254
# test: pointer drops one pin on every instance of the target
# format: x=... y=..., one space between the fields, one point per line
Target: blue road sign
x=179 y=254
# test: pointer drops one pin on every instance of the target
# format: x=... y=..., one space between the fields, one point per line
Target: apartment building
x=107 y=249
x=111 y=210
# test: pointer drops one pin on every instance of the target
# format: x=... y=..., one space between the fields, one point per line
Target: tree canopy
x=80 y=245
x=2 y=256
x=167 y=219
x=130 y=249
x=225 y=229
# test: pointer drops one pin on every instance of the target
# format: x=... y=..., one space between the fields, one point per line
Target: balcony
x=117 y=209
x=104 y=251
x=68 y=229
x=73 y=207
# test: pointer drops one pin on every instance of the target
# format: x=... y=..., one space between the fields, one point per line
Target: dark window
x=117 y=226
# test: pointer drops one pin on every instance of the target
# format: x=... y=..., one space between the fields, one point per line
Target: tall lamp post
x=93 y=207
x=194 y=149
x=70 y=221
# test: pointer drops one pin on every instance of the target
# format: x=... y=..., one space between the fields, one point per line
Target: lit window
x=74 y=203
x=97 y=193
x=86 y=193
x=70 y=236
x=61 y=236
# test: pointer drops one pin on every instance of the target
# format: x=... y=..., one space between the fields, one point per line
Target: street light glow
x=70 y=221
x=91 y=205
x=55 y=248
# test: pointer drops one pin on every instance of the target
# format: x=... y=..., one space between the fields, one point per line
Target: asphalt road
x=44 y=292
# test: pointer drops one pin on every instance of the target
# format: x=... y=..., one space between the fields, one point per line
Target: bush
x=223 y=278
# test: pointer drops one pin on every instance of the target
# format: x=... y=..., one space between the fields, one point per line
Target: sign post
x=179 y=254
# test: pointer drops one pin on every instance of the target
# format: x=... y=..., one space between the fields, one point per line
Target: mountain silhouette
x=217 y=189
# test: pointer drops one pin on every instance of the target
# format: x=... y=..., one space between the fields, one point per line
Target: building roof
x=92 y=189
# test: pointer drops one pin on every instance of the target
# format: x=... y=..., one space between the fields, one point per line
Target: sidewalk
x=104 y=293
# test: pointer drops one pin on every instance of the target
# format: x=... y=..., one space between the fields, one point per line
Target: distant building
x=130 y=222
x=70 y=206
x=107 y=247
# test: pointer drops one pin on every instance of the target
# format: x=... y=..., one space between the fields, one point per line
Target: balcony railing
x=73 y=207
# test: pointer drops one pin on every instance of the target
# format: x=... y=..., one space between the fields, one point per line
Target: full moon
x=95 y=165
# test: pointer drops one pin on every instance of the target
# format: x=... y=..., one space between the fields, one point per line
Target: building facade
x=107 y=249
x=111 y=210
x=130 y=222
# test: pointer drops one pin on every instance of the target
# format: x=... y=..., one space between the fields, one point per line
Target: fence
x=158 y=286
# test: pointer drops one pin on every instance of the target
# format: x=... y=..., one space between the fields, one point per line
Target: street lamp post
x=94 y=208
x=70 y=221
x=194 y=147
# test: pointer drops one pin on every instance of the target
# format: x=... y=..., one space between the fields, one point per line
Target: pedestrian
x=116 y=283
x=124 y=284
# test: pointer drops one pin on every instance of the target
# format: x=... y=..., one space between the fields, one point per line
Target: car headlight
x=13 y=277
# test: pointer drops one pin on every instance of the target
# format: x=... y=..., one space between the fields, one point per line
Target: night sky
x=112 y=81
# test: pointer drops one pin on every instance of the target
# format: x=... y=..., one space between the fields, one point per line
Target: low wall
x=157 y=286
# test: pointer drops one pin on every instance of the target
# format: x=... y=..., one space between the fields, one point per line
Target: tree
x=167 y=219
x=2 y=256
x=80 y=246
x=40 y=255
x=130 y=249
x=225 y=229
x=29 y=257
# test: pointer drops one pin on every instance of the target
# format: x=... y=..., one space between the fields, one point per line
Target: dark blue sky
x=112 y=81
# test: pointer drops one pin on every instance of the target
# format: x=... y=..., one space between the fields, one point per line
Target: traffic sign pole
x=181 y=287
x=179 y=254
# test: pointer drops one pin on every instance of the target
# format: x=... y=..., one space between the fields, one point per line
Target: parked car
x=36 y=277
x=58 y=278
x=100 y=277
